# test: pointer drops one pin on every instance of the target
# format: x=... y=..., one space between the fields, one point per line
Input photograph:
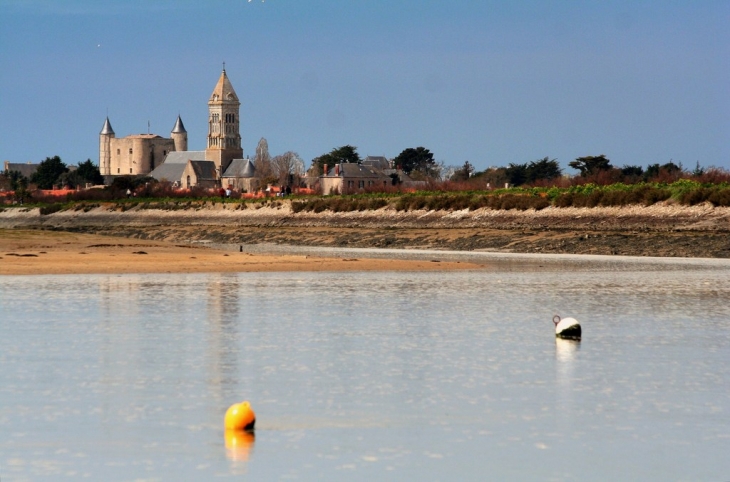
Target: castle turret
x=105 y=151
x=224 y=139
x=180 y=135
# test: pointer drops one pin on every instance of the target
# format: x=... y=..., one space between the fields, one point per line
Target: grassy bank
x=683 y=192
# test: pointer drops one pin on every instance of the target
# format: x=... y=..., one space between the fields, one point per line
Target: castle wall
x=104 y=155
x=181 y=141
x=136 y=155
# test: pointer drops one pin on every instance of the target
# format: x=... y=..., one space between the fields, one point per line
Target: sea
x=371 y=375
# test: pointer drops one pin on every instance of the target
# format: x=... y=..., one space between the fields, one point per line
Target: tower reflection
x=222 y=319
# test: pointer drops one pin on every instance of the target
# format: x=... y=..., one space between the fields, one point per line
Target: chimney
x=337 y=169
x=325 y=170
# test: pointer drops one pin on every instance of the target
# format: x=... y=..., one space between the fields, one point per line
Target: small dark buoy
x=567 y=328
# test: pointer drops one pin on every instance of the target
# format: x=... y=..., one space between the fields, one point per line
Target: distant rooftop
x=182 y=157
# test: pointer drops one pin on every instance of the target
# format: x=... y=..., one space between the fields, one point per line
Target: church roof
x=182 y=157
x=381 y=162
x=179 y=127
x=204 y=170
x=223 y=90
x=351 y=169
x=107 y=129
x=240 y=168
x=169 y=171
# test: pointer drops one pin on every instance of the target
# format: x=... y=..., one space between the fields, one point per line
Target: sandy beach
x=29 y=252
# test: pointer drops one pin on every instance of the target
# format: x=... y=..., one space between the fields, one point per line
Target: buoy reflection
x=565 y=349
x=566 y=352
x=239 y=444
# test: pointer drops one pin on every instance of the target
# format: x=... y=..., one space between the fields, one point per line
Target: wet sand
x=28 y=252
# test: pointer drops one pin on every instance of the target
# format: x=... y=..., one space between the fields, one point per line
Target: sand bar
x=30 y=252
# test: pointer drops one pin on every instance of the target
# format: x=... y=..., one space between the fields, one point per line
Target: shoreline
x=660 y=230
x=39 y=252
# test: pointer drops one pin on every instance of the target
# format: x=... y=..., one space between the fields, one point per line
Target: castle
x=144 y=154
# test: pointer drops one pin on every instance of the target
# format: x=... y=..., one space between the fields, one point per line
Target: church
x=168 y=158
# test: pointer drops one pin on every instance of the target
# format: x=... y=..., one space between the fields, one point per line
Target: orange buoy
x=240 y=416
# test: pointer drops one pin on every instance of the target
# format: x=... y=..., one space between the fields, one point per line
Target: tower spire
x=224 y=138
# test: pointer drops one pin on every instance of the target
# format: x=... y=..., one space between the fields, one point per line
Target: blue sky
x=491 y=82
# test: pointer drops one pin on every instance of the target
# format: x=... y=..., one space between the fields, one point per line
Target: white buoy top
x=563 y=323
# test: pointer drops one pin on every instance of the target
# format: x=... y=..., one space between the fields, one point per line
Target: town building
x=241 y=176
x=25 y=169
x=350 y=177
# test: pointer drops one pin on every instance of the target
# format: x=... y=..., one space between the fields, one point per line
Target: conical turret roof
x=179 y=127
x=107 y=129
x=223 y=90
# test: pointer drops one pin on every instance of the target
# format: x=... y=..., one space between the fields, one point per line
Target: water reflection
x=239 y=444
x=566 y=353
x=222 y=301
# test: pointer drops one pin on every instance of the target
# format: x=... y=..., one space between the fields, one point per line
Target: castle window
x=130 y=150
x=130 y=170
x=118 y=152
x=164 y=153
x=118 y=171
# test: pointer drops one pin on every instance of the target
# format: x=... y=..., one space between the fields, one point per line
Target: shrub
x=720 y=197
x=51 y=208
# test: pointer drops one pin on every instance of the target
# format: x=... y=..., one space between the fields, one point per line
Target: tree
x=516 y=174
x=71 y=179
x=48 y=172
x=16 y=180
x=543 y=169
x=463 y=173
x=338 y=155
x=591 y=164
x=262 y=160
x=418 y=160
x=698 y=170
x=667 y=170
x=632 y=171
x=89 y=172
x=287 y=164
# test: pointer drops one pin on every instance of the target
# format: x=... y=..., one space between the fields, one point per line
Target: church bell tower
x=224 y=138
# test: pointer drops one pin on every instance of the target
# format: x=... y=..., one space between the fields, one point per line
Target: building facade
x=136 y=154
x=144 y=153
x=224 y=137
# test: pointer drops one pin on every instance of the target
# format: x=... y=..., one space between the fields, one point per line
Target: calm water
x=369 y=376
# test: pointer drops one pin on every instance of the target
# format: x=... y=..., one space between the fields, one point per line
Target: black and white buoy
x=567 y=328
